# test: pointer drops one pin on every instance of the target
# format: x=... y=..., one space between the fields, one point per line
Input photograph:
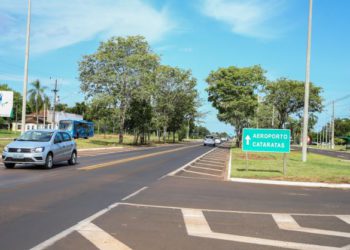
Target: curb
x=292 y=183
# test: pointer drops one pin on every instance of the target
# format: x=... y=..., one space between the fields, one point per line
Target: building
x=45 y=120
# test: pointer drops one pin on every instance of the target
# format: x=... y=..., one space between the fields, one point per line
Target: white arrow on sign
x=247 y=139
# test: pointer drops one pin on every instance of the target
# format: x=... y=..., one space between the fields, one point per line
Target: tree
x=288 y=98
x=79 y=108
x=120 y=68
x=139 y=118
x=37 y=97
x=342 y=127
x=174 y=97
x=232 y=91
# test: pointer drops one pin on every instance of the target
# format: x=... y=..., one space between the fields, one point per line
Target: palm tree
x=37 y=96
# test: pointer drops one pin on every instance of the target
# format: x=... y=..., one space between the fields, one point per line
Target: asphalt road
x=36 y=203
x=336 y=154
x=135 y=200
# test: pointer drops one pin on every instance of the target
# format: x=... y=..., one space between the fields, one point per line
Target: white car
x=217 y=141
x=209 y=140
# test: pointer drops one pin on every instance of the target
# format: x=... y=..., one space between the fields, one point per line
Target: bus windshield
x=66 y=125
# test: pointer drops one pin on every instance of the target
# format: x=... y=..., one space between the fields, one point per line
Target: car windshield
x=209 y=137
x=43 y=136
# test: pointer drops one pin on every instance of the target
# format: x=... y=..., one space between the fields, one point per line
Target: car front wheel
x=9 y=165
x=49 y=161
x=73 y=159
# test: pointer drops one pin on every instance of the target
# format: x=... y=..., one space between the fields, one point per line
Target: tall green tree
x=37 y=97
x=233 y=92
x=288 y=98
x=174 y=97
x=120 y=68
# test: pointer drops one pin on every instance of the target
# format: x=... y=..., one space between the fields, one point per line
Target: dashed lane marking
x=134 y=193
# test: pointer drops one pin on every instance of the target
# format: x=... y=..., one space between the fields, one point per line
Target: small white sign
x=6 y=103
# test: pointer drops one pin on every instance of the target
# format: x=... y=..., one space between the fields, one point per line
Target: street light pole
x=25 y=80
x=307 y=87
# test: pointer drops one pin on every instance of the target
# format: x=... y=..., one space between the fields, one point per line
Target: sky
x=201 y=35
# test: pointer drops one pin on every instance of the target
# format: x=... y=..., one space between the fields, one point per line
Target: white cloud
x=254 y=18
x=57 y=24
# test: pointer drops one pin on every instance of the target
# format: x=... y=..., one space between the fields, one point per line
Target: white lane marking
x=287 y=222
x=345 y=218
x=213 y=161
x=187 y=164
x=211 y=169
x=342 y=156
x=224 y=211
x=134 y=193
x=61 y=235
x=210 y=164
x=101 y=239
x=195 y=172
x=197 y=225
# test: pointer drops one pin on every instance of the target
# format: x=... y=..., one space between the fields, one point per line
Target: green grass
x=8 y=134
x=318 y=168
x=112 y=141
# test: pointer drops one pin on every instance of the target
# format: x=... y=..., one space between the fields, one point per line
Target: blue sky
x=201 y=35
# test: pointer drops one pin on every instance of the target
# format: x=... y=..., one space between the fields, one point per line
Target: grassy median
x=318 y=168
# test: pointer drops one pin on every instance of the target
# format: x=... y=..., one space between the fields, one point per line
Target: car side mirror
x=56 y=141
x=15 y=139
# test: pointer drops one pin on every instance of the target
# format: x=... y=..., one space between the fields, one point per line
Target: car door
x=58 y=148
x=67 y=145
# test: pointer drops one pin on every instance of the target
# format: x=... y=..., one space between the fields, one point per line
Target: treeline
x=129 y=90
x=245 y=98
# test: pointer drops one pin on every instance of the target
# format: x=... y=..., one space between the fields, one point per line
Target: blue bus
x=77 y=128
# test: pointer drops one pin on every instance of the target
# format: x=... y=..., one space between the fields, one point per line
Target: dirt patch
x=256 y=157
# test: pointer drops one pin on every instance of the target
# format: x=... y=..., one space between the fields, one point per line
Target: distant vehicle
x=77 y=129
x=209 y=140
x=217 y=141
x=223 y=139
x=41 y=147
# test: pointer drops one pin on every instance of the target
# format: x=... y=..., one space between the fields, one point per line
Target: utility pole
x=307 y=86
x=44 y=114
x=25 y=80
x=55 y=90
x=327 y=133
x=333 y=142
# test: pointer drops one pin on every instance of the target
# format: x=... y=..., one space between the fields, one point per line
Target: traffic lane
x=213 y=194
x=336 y=154
x=24 y=174
x=52 y=205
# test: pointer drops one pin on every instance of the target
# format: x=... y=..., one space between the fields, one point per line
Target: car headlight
x=38 y=150
x=6 y=149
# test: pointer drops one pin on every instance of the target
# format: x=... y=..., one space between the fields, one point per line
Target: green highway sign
x=266 y=140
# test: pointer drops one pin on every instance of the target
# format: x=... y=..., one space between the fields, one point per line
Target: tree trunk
x=121 y=123
x=164 y=134
x=174 y=136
